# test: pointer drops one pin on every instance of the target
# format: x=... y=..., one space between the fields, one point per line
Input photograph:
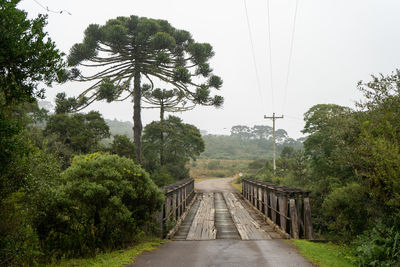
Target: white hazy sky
x=336 y=44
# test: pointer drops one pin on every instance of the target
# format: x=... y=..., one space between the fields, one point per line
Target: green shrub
x=19 y=244
x=213 y=165
x=379 y=247
x=103 y=203
x=161 y=177
x=345 y=210
x=256 y=164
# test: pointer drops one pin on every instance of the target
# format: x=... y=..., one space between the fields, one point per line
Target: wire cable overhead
x=253 y=54
x=290 y=56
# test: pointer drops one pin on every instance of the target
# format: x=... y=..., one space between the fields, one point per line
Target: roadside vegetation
x=351 y=165
x=71 y=192
x=117 y=258
x=325 y=254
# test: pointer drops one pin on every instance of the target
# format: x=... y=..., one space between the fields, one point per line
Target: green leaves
x=27 y=56
x=103 y=203
x=200 y=52
x=171 y=143
x=162 y=40
x=182 y=74
x=107 y=90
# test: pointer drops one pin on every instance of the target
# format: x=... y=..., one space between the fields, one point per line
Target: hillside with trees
x=251 y=143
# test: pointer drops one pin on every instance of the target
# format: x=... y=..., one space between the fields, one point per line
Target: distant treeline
x=248 y=143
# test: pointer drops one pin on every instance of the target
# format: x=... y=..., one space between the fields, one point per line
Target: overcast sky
x=336 y=44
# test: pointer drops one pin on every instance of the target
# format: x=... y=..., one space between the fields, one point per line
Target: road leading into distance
x=222 y=252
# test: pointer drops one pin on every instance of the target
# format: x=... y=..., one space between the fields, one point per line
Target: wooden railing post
x=272 y=198
x=309 y=234
x=168 y=206
x=294 y=218
x=281 y=205
x=283 y=210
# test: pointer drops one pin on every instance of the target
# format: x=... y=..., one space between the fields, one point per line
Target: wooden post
x=168 y=204
x=309 y=234
x=174 y=205
x=260 y=199
x=283 y=210
x=272 y=199
x=255 y=195
x=185 y=197
x=251 y=193
x=265 y=202
x=294 y=219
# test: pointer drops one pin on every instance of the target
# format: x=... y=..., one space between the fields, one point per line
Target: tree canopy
x=130 y=50
x=171 y=143
x=27 y=56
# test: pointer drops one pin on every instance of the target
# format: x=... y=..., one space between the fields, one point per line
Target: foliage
x=75 y=134
x=162 y=177
x=103 y=202
x=346 y=210
x=27 y=56
x=123 y=147
x=325 y=254
x=127 y=50
x=379 y=247
x=171 y=143
x=33 y=173
x=166 y=100
x=251 y=143
x=19 y=244
x=115 y=258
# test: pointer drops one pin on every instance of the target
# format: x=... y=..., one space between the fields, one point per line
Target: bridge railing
x=177 y=198
x=288 y=209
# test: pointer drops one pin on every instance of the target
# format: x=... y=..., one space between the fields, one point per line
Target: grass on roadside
x=324 y=254
x=116 y=258
x=237 y=185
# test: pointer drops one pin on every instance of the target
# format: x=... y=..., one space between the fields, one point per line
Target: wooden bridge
x=262 y=211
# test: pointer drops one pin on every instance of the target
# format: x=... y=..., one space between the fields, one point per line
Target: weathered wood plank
x=247 y=227
x=203 y=225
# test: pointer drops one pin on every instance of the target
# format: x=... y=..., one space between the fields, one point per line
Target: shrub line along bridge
x=262 y=211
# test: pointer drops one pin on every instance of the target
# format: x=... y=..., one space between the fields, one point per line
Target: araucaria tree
x=129 y=51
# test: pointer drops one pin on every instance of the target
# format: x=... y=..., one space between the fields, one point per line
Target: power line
x=290 y=57
x=253 y=54
x=49 y=10
x=270 y=56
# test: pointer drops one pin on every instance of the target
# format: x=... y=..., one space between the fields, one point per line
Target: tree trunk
x=137 y=120
x=162 y=133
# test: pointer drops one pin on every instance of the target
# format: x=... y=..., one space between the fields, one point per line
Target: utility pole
x=273 y=135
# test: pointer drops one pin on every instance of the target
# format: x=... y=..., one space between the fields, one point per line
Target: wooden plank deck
x=248 y=227
x=203 y=225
